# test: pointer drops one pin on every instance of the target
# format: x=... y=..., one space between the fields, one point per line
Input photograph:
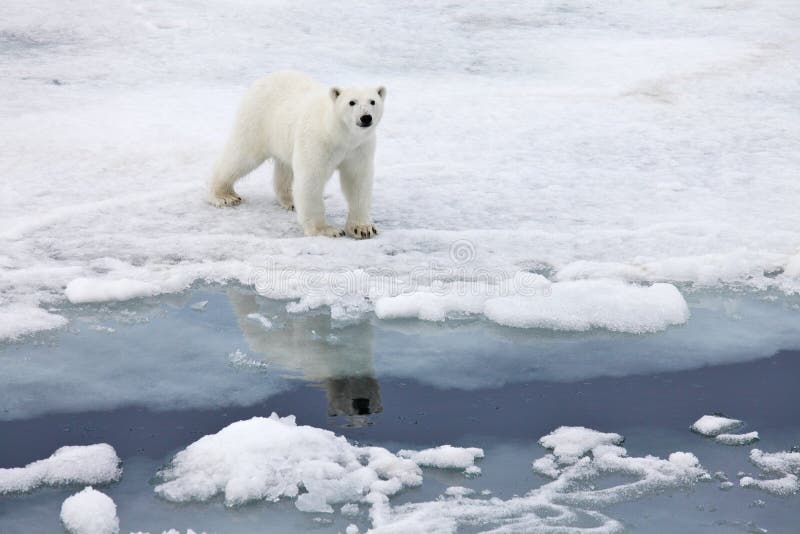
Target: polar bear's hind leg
x=239 y=158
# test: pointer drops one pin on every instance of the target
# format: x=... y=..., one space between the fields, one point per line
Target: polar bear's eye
x=372 y=102
x=352 y=102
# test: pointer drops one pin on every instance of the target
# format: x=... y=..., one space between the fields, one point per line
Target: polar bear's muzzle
x=365 y=121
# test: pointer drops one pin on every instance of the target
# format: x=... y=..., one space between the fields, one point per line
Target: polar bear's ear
x=382 y=92
x=335 y=92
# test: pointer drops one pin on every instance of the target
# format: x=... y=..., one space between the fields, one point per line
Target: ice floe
x=445 y=457
x=572 y=306
x=82 y=290
x=737 y=439
x=273 y=458
x=90 y=512
x=785 y=464
x=712 y=425
x=718 y=428
x=76 y=464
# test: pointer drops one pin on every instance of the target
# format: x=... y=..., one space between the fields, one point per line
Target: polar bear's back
x=274 y=106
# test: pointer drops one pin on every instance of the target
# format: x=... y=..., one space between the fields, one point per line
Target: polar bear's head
x=359 y=108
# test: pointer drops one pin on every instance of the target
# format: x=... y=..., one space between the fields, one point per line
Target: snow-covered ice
x=712 y=425
x=562 y=505
x=737 y=439
x=786 y=465
x=270 y=458
x=444 y=457
x=74 y=464
x=648 y=146
x=82 y=290
x=90 y=512
x=273 y=458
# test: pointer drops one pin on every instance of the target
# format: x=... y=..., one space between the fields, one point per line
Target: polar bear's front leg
x=282 y=184
x=355 y=174
x=307 y=189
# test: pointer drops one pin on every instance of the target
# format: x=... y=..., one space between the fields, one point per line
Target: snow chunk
x=18 y=320
x=546 y=466
x=781 y=463
x=90 y=512
x=84 y=464
x=199 y=306
x=82 y=290
x=458 y=491
x=584 y=304
x=271 y=458
x=737 y=439
x=266 y=323
x=572 y=306
x=444 y=457
x=569 y=443
x=349 y=509
x=711 y=425
x=351 y=529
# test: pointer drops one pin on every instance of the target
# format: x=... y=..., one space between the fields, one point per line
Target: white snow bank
x=711 y=425
x=737 y=439
x=583 y=456
x=90 y=512
x=271 y=458
x=82 y=290
x=786 y=464
x=444 y=457
x=79 y=464
x=576 y=305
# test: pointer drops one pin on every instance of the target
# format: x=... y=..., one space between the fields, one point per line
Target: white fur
x=310 y=131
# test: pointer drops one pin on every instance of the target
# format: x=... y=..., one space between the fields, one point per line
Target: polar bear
x=310 y=131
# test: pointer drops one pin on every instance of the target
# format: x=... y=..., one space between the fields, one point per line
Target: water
x=169 y=373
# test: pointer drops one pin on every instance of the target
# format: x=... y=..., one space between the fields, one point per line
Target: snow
x=712 y=425
x=577 y=305
x=77 y=464
x=19 y=319
x=199 y=306
x=649 y=146
x=263 y=321
x=444 y=457
x=274 y=458
x=270 y=458
x=569 y=443
x=90 y=512
x=737 y=439
x=567 y=504
x=785 y=464
x=82 y=290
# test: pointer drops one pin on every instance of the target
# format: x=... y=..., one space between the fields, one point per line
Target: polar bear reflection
x=338 y=358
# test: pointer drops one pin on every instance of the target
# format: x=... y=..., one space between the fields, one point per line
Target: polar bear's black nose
x=366 y=120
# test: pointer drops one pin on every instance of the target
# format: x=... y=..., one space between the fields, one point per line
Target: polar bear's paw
x=361 y=231
x=227 y=198
x=286 y=204
x=327 y=231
